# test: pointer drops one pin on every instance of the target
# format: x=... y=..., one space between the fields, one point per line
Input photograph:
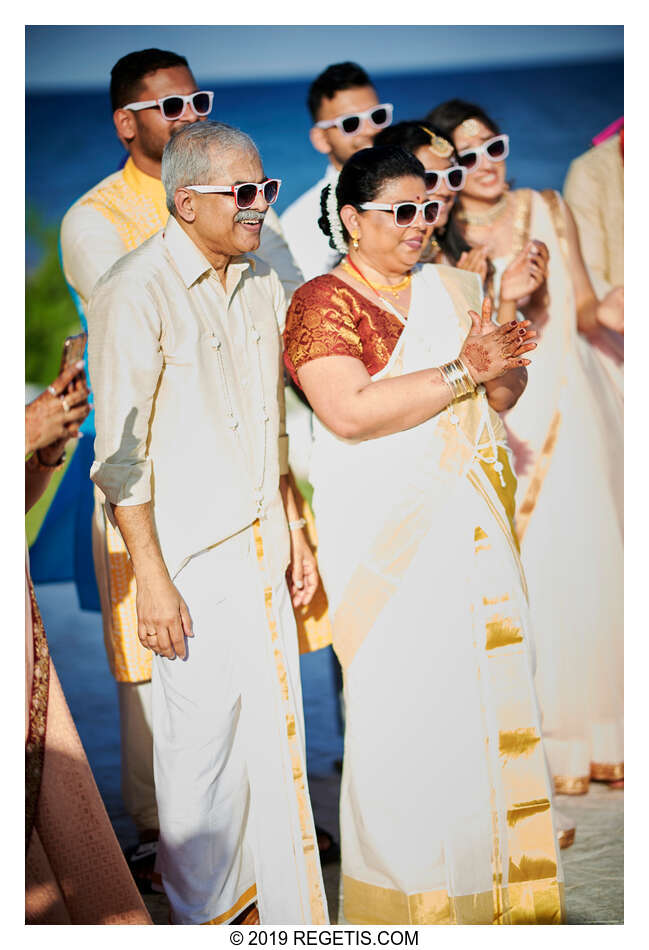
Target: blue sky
x=59 y=57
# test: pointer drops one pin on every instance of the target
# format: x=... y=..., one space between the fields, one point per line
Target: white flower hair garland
x=335 y=224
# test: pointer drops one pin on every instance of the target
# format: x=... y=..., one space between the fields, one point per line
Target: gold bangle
x=467 y=377
x=458 y=378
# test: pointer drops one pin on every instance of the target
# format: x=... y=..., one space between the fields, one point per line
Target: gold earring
x=355 y=240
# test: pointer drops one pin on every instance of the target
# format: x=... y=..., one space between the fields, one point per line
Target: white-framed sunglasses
x=495 y=149
x=378 y=116
x=455 y=176
x=405 y=212
x=172 y=107
x=245 y=194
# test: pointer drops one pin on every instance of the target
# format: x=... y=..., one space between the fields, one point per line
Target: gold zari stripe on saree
x=571 y=785
x=504 y=526
x=517 y=742
x=502 y=632
x=603 y=772
x=526 y=810
x=529 y=902
x=522 y=219
x=309 y=848
x=246 y=898
x=492 y=601
x=541 y=468
x=553 y=202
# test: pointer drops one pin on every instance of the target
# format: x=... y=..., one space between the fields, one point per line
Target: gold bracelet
x=458 y=378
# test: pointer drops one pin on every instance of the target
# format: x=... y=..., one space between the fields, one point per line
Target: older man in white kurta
x=191 y=455
x=114 y=217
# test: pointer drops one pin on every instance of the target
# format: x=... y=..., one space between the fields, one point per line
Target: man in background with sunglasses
x=346 y=115
x=153 y=96
x=191 y=456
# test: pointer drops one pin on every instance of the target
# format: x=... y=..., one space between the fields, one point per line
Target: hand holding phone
x=74 y=348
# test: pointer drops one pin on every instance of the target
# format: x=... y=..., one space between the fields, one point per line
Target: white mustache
x=248 y=214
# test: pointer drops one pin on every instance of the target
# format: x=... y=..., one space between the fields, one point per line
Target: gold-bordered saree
x=446 y=812
x=566 y=433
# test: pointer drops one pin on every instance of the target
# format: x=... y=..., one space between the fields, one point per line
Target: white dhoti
x=235 y=817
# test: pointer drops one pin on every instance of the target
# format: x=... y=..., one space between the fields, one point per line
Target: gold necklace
x=484 y=218
x=394 y=289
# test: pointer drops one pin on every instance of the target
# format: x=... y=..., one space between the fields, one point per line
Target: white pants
x=235 y=817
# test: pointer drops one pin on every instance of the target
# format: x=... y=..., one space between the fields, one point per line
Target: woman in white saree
x=446 y=812
x=567 y=440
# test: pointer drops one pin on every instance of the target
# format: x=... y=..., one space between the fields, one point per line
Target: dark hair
x=364 y=174
x=410 y=135
x=448 y=115
x=130 y=70
x=332 y=80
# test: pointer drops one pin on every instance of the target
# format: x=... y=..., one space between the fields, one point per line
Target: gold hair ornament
x=470 y=126
x=438 y=145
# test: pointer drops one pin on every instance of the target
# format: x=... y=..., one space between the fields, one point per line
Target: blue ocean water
x=550 y=112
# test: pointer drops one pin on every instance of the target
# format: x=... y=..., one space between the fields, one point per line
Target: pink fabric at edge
x=609 y=131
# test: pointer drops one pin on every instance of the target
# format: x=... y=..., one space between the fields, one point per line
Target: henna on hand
x=477 y=357
x=492 y=354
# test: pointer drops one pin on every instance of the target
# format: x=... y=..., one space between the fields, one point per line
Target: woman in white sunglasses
x=444 y=177
x=567 y=440
x=445 y=180
x=445 y=800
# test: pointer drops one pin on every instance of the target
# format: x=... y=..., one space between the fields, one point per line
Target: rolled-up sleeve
x=125 y=363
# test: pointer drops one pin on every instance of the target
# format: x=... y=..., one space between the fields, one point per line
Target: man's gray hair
x=191 y=156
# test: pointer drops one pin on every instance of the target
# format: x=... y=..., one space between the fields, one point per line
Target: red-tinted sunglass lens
x=432 y=181
x=173 y=107
x=431 y=210
x=271 y=189
x=351 y=124
x=405 y=214
x=496 y=149
x=201 y=103
x=246 y=195
x=379 y=118
x=468 y=160
x=455 y=177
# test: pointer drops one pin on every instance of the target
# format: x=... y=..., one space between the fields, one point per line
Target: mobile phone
x=73 y=349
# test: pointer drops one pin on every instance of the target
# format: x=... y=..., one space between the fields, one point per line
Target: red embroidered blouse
x=327 y=317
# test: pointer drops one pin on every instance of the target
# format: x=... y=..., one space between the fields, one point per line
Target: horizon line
x=527 y=62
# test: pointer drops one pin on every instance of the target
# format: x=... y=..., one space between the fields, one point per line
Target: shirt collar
x=191 y=262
